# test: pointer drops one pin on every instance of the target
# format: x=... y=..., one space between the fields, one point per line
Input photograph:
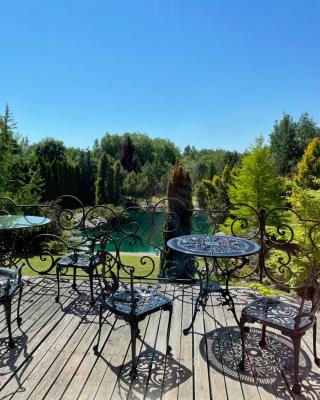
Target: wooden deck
x=53 y=357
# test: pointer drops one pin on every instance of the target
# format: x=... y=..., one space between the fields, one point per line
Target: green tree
x=118 y=182
x=289 y=140
x=111 y=145
x=256 y=182
x=19 y=178
x=128 y=157
x=283 y=144
x=101 y=195
x=51 y=149
x=135 y=185
x=176 y=265
x=309 y=167
x=306 y=130
x=87 y=171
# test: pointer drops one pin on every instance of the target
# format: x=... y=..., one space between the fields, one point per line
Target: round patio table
x=13 y=223
x=215 y=247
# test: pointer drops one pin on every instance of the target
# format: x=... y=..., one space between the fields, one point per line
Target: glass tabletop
x=214 y=245
x=12 y=222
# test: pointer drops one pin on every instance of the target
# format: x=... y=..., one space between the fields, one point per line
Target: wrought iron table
x=234 y=253
x=14 y=222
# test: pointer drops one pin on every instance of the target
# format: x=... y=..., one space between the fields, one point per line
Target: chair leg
x=19 y=319
x=134 y=330
x=58 y=284
x=7 y=311
x=296 y=388
x=169 y=348
x=74 y=283
x=96 y=347
x=263 y=342
x=316 y=359
x=242 y=334
x=91 y=287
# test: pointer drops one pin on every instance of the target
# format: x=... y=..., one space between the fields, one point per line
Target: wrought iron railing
x=281 y=232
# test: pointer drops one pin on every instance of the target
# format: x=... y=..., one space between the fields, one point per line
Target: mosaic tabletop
x=214 y=245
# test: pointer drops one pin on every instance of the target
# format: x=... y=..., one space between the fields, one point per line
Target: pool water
x=148 y=232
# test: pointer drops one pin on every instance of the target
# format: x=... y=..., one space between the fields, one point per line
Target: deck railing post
x=262 y=252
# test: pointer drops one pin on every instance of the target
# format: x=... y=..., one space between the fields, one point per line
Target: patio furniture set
x=217 y=259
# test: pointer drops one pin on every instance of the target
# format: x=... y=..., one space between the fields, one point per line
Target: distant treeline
x=131 y=165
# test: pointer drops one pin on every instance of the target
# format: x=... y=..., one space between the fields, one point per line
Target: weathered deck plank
x=54 y=358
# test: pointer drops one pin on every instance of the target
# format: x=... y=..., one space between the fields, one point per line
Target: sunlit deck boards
x=53 y=357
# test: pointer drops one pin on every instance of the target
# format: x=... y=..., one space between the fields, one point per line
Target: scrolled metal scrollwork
x=247 y=224
x=38 y=249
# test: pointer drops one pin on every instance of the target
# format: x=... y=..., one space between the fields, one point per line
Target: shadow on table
x=267 y=368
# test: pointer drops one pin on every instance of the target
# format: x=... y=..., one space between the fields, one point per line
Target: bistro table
x=227 y=254
x=13 y=223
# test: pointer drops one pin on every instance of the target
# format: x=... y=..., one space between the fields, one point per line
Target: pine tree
x=109 y=182
x=255 y=182
x=117 y=182
x=283 y=145
x=128 y=157
x=176 y=265
x=101 y=196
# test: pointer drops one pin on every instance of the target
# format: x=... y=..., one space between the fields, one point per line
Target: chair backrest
x=291 y=259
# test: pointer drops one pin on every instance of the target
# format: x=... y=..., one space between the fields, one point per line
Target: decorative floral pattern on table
x=214 y=245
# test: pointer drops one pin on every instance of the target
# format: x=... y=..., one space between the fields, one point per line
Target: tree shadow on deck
x=157 y=374
x=269 y=368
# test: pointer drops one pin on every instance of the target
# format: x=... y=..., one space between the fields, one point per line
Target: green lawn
x=44 y=264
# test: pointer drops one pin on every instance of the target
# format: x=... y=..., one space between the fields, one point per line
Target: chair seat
x=147 y=302
x=275 y=313
x=211 y=287
x=79 y=260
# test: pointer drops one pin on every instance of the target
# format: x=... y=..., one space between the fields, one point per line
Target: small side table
x=215 y=247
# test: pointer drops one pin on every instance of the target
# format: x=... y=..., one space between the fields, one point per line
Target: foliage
x=54 y=247
x=101 y=187
x=289 y=139
x=128 y=156
x=118 y=182
x=135 y=185
x=200 y=191
x=87 y=172
x=256 y=182
x=309 y=166
x=20 y=178
x=50 y=149
x=305 y=201
x=177 y=265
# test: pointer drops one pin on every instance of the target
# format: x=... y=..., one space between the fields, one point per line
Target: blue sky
x=213 y=74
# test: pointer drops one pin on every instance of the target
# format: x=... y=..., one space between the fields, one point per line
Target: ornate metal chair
x=86 y=261
x=97 y=225
x=10 y=284
x=291 y=256
x=128 y=301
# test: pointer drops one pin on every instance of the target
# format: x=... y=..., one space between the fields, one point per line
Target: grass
x=143 y=270
x=42 y=265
